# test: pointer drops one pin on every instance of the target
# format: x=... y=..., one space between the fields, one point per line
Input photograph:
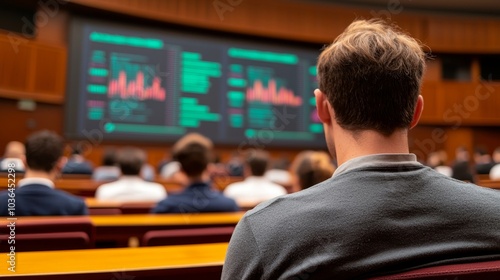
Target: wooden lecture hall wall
x=456 y=113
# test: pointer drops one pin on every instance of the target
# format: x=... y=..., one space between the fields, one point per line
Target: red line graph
x=272 y=95
x=136 y=88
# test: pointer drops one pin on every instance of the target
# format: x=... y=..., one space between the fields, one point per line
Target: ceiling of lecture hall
x=477 y=7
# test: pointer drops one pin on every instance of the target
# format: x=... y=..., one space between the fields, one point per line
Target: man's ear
x=23 y=159
x=419 y=107
x=323 y=107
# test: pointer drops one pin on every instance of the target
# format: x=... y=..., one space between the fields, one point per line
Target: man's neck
x=40 y=174
x=349 y=146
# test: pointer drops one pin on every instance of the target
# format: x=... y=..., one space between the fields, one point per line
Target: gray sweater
x=366 y=221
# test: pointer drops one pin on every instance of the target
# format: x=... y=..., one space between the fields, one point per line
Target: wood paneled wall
x=35 y=68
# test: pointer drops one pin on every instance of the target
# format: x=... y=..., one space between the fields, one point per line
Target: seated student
x=77 y=164
x=147 y=171
x=310 y=168
x=278 y=173
x=14 y=153
x=255 y=188
x=483 y=161
x=495 y=170
x=436 y=161
x=461 y=169
x=108 y=171
x=382 y=211
x=131 y=187
x=235 y=165
x=35 y=194
x=194 y=154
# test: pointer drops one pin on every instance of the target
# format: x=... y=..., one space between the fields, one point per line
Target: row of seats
x=79 y=233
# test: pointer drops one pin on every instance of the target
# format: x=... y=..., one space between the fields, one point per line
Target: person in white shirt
x=255 y=188
x=109 y=170
x=495 y=170
x=14 y=152
x=130 y=187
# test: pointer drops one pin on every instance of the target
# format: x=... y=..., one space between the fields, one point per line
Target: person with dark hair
x=77 y=164
x=194 y=154
x=255 y=188
x=35 y=195
x=495 y=170
x=235 y=165
x=461 y=169
x=311 y=168
x=382 y=211
x=108 y=171
x=483 y=161
x=131 y=187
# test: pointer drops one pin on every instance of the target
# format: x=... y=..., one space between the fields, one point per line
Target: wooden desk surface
x=135 y=220
x=166 y=219
x=65 y=264
x=94 y=203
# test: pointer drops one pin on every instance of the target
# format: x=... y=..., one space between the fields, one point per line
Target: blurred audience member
x=495 y=170
x=483 y=161
x=461 y=169
x=437 y=160
x=170 y=169
x=218 y=168
x=147 y=170
x=194 y=154
x=36 y=195
x=131 y=187
x=255 y=188
x=310 y=168
x=235 y=165
x=279 y=172
x=496 y=155
x=77 y=164
x=108 y=171
x=13 y=157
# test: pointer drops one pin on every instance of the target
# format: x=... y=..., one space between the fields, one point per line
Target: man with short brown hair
x=381 y=212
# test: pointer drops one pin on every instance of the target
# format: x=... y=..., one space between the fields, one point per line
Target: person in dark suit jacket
x=35 y=195
x=77 y=164
x=194 y=153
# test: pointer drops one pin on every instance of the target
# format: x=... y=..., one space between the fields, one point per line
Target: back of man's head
x=43 y=150
x=371 y=75
x=109 y=157
x=194 y=153
x=76 y=149
x=131 y=160
x=257 y=162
